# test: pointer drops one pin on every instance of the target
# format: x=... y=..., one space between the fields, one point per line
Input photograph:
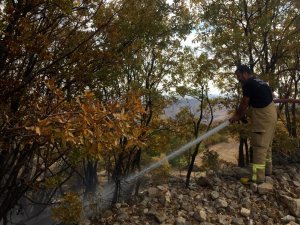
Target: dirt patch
x=228 y=151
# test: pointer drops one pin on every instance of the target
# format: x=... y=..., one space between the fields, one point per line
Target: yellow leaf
x=29 y=128
x=38 y=130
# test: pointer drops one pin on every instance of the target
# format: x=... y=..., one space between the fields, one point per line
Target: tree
x=54 y=51
x=196 y=71
x=41 y=41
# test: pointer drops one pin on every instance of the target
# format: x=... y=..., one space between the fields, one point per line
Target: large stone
x=264 y=188
x=292 y=204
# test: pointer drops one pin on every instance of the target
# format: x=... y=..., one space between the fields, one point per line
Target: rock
x=221 y=203
x=229 y=194
x=84 y=221
x=234 y=205
x=288 y=218
x=162 y=187
x=246 y=202
x=296 y=177
x=204 y=182
x=292 y=204
x=211 y=210
x=160 y=217
x=238 y=221
x=264 y=188
x=286 y=177
x=122 y=217
x=240 y=172
x=245 y=212
x=145 y=201
x=180 y=221
x=214 y=194
x=146 y=210
x=187 y=206
x=269 y=180
x=297 y=191
x=271 y=213
x=153 y=192
x=118 y=205
x=217 y=181
x=107 y=214
x=180 y=196
x=182 y=213
x=296 y=183
x=253 y=187
x=200 y=215
x=278 y=172
x=162 y=200
x=224 y=219
x=265 y=217
x=292 y=223
x=198 y=198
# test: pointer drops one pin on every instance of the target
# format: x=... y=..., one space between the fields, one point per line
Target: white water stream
x=107 y=192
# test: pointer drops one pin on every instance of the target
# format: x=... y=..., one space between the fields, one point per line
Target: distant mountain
x=219 y=112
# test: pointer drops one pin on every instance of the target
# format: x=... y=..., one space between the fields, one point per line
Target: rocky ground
x=213 y=198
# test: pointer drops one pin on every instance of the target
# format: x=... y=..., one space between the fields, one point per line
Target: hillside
x=219 y=111
x=213 y=198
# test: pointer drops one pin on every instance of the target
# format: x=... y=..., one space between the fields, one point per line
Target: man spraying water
x=258 y=99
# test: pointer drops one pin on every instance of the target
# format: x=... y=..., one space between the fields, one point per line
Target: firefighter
x=258 y=100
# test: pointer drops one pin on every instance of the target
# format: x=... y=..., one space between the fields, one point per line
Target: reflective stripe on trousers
x=256 y=167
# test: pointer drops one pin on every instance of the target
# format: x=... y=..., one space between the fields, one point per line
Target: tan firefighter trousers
x=263 y=124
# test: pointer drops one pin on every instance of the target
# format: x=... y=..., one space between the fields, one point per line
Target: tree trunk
x=188 y=176
x=91 y=179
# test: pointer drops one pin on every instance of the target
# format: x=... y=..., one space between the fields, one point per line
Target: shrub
x=283 y=142
x=210 y=160
x=160 y=174
x=69 y=210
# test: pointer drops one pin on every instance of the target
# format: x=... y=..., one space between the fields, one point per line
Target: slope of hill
x=213 y=198
x=219 y=111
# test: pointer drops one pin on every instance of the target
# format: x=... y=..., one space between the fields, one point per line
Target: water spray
x=179 y=151
x=107 y=192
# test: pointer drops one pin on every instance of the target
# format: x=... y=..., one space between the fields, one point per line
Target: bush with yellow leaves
x=69 y=210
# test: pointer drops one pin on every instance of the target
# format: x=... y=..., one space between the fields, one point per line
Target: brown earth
x=228 y=151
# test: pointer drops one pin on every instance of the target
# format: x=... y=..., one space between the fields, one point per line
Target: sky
x=189 y=42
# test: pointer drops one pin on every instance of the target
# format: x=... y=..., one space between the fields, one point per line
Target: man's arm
x=244 y=103
x=286 y=100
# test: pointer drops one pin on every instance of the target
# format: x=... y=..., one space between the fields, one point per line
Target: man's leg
x=260 y=149
x=269 y=166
